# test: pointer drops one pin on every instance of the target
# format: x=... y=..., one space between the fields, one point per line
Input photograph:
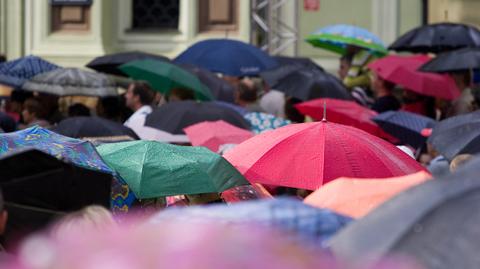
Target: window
x=155 y=14
x=70 y=18
x=218 y=15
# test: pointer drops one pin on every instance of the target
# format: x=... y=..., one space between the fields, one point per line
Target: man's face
x=343 y=69
x=130 y=98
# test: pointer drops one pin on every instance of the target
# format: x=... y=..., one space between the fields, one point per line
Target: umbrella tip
x=324 y=111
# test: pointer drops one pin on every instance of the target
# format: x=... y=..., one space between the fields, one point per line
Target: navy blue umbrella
x=15 y=73
x=229 y=57
x=301 y=221
x=405 y=126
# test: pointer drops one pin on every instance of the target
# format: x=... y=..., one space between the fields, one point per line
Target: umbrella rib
x=34 y=208
x=25 y=178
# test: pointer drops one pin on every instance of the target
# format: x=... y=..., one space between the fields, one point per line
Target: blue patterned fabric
x=122 y=198
x=261 y=122
x=303 y=222
x=15 y=73
x=75 y=151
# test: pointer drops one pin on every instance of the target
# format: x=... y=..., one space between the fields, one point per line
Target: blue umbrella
x=405 y=126
x=240 y=110
x=230 y=57
x=301 y=221
x=15 y=73
x=75 y=151
x=261 y=122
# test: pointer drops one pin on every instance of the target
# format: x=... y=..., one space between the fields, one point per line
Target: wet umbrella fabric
x=402 y=70
x=306 y=83
x=457 y=135
x=405 y=126
x=153 y=169
x=92 y=127
x=337 y=37
x=438 y=37
x=297 y=220
x=165 y=77
x=219 y=88
x=418 y=222
x=15 y=73
x=286 y=66
x=454 y=61
x=308 y=155
x=109 y=63
x=175 y=116
x=72 y=82
x=75 y=151
x=357 y=197
x=229 y=57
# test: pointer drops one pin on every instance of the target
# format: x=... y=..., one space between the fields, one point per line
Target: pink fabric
x=402 y=70
x=213 y=134
x=308 y=155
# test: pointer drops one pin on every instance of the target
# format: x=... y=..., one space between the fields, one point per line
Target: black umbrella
x=286 y=66
x=71 y=82
x=436 y=38
x=457 y=135
x=220 y=89
x=38 y=187
x=452 y=61
x=435 y=223
x=175 y=116
x=306 y=83
x=109 y=63
x=81 y=127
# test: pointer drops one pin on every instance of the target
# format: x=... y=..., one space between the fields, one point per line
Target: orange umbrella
x=357 y=197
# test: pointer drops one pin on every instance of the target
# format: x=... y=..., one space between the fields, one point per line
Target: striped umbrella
x=15 y=73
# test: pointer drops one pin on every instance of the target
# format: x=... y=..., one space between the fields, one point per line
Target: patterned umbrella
x=72 y=81
x=15 y=73
x=261 y=122
x=75 y=151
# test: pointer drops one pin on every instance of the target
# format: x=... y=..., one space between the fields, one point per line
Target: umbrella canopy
x=92 y=127
x=71 y=82
x=109 y=63
x=38 y=188
x=153 y=169
x=402 y=70
x=454 y=61
x=175 y=116
x=285 y=67
x=357 y=197
x=337 y=37
x=213 y=134
x=435 y=223
x=15 y=73
x=165 y=77
x=261 y=122
x=438 y=37
x=344 y=112
x=75 y=151
x=308 y=155
x=245 y=193
x=405 y=126
x=229 y=57
x=301 y=221
x=307 y=83
x=219 y=88
x=457 y=135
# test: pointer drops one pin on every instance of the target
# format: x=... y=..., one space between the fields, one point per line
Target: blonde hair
x=459 y=160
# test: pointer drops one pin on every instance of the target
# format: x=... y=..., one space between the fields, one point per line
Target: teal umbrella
x=153 y=169
x=165 y=77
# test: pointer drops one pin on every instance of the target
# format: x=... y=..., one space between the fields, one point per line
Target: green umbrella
x=164 y=77
x=337 y=37
x=153 y=169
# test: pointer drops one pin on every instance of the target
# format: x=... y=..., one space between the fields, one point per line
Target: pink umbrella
x=402 y=70
x=308 y=155
x=213 y=134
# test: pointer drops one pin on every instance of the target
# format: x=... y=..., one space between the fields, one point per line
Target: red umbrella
x=343 y=112
x=213 y=134
x=308 y=155
x=402 y=70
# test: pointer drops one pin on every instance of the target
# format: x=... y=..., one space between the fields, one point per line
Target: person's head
x=380 y=86
x=2 y=58
x=459 y=161
x=139 y=94
x=462 y=79
x=3 y=214
x=17 y=98
x=78 y=109
x=180 y=94
x=344 y=65
x=352 y=50
x=32 y=111
x=245 y=93
x=291 y=112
